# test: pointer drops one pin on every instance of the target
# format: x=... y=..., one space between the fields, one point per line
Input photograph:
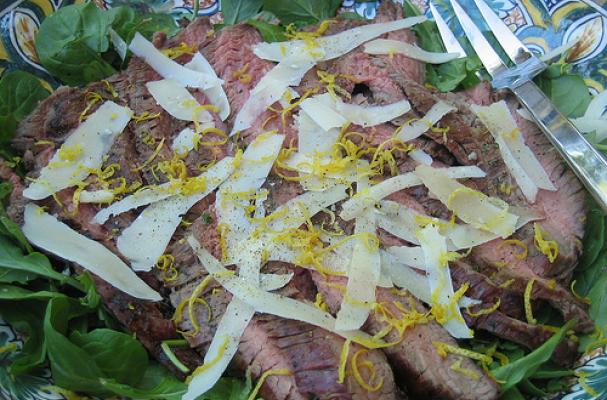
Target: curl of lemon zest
x=382 y=156
x=444 y=348
x=329 y=80
x=179 y=50
x=145 y=116
x=445 y=258
x=264 y=376
x=151 y=158
x=241 y=74
x=343 y=360
x=76 y=200
x=110 y=88
x=210 y=363
x=407 y=318
x=223 y=137
x=267 y=120
x=527 y=301
x=91 y=98
x=148 y=139
x=292 y=105
x=457 y=367
x=582 y=375
x=577 y=296
x=515 y=242
x=356 y=365
x=547 y=247
x=484 y=311
x=193 y=299
x=223 y=229
x=44 y=142
x=505 y=188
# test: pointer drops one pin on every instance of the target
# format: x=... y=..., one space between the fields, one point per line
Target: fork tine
x=490 y=59
x=510 y=43
x=449 y=39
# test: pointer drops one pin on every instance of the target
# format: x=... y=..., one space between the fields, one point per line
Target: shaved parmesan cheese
x=270 y=89
x=410 y=256
x=147 y=237
x=421 y=157
x=168 y=68
x=358 y=203
x=96 y=196
x=386 y=46
x=138 y=199
x=216 y=94
x=414 y=282
x=184 y=141
x=269 y=282
x=312 y=138
x=222 y=348
x=372 y=115
x=363 y=276
x=305 y=164
x=322 y=109
x=93 y=139
x=46 y=232
x=118 y=43
x=271 y=303
x=471 y=206
x=177 y=101
x=332 y=46
x=434 y=246
x=417 y=128
x=518 y=157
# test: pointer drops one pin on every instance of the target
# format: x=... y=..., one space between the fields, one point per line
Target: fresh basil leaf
x=269 y=32
x=570 y=95
x=118 y=355
x=594 y=237
x=229 y=389
x=20 y=93
x=91 y=299
x=302 y=12
x=513 y=373
x=235 y=11
x=7 y=226
x=157 y=383
x=71 y=41
x=17 y=293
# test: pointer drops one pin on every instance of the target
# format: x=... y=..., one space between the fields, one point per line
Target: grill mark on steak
x=414 y=358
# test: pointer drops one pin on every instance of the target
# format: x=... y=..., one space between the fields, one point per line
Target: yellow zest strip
x=214 y=131
x=241 y=74
x=223 y=229
x=507 y=284
x=515 y=242
x=144 y=116
x=503 y=359
x=333 y=88
x=367 y=364
x=215 y=360
x=443 y=348
x=547 y=247
x=527 y=299
x=484 y=311
x=343 y=360
x=285 y=111
x=457 y=367
x=152 y=157
x=264 y=376
x=196 y=294
x=505 y=189
x=166 y=263
x=577 y=296
x=582 y=375
x=110 y=88
x=319 y=302
x=181 y=49
x=44 y=142
x=91 y=98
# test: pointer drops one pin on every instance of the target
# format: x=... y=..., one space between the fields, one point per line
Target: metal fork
x=585 y=161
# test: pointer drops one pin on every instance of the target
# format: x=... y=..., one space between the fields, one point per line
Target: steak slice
x=414 y=357
x=269 y=342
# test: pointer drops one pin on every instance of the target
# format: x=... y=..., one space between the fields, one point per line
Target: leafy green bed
x=60 y=316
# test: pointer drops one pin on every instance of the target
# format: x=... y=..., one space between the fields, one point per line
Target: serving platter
x=542 y=25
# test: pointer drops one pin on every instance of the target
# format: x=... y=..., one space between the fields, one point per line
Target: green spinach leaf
x=157 y=383
x=71 y=41
x=126 y=22
x=515 y=372
x=235 y=11
x=567 y=91
x=302 y=12
x=118 y=355
x=269 y=32
x=20 y=93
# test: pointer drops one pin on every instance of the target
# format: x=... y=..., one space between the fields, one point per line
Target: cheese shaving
x=177 y=101
x=371 y=115
x=216 y=95
x=168 y=68
x=45 y=231
x=94 y=137
x=527 y=301
x=418 y=127
x=387 y=46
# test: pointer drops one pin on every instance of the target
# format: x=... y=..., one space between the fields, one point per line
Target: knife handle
x=585 y=161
